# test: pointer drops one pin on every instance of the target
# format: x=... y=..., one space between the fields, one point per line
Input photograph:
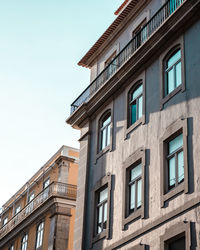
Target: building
x=138 y=186
x=41 y=214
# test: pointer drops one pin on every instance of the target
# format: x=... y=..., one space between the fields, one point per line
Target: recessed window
x=135 y=104
x=101 y=210
x=133 y=204
x=104 y=131
x=174 y=163
x=176 y=244
x=46 y=183
x=112 y=67
x=31 y=197
x=11 y=247
x=24 y=242
x=5 y=221
x=135 y=188
x=175 y=159
x=17 y=209
x=173 y=73
x=39 y=235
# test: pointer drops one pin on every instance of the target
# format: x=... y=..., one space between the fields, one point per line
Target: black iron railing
x=140 y=38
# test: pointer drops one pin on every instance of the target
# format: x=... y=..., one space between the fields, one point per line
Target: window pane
x=170 y=81
x=172 y=172
x=108 y=135
x=103 y=139
x=175 y=143
x=103 y=195
x=105 y=212
x=178 y=74
x=174 y=58
x=180 y=167
x=106 y=121
x=139 y=193
x=136 y=171
x=140 y=107
x=137 y=92
x=177 y=244
x=100 y=214
x=132 y=196
x=133 y=113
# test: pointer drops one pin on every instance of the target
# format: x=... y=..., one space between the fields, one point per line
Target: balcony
x=55 y=189
x=137 y=41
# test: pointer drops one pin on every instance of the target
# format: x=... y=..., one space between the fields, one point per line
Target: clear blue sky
x=41 y=42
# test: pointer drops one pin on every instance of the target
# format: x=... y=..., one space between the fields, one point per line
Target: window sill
x=133 y=216
x=134 y=126
x=172 y=94
x=102 y=152
x=100 y=236
x=180 y=188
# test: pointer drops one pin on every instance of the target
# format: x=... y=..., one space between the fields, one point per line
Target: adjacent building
x=41 y=214
x=139 y=175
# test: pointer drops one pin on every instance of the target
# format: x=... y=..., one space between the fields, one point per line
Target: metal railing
x=140 y=38
x=54 y=189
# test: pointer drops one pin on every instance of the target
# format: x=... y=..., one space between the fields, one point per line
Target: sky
x=41 y=42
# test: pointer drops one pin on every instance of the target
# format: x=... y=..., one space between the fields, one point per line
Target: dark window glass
x=178 y=244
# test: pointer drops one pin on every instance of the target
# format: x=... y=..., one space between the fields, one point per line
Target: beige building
x=41 y=214
x=138 y=184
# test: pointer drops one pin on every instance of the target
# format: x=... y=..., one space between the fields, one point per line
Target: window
x=173 y=72
x=46 y=183
x=172 y=67
x=31 y=197
x=5 y=221
x=134 y=187
x=174 y=168
x=177 y=237
x=11 y=247
x=101 y=210
x=104 y=131
x=112 y=67
x=140 y=35
x=175 y=159
x=39 y=235
x=24 y=242
x=101 y=217
x=17 y=209
x=135 y=104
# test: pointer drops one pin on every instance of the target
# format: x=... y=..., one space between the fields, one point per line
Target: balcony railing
x=140 y=38
x=54 y=189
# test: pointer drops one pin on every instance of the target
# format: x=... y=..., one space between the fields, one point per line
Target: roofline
x=121 y=7
x=85 y=60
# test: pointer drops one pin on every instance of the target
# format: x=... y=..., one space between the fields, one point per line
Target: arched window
x=24 y=242
x=173 y=71
x=39 y=235
x=135 y=104
x=104 y=130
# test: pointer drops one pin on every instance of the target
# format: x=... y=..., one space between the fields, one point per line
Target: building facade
x=138 y=184
x=41 y=214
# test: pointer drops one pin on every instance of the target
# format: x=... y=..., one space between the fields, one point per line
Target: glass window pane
x=100 y=214
x=137 y=92
x=140 y=107
x=174 y=58
x=178 y=74
x=136 y=171
x=106 y=121
x=132 y=196
x=103 y=195
x=139 y=193
x=170 y=81
x=180 y=166
x=103 y=139
x=133 y=113
x=172 y=172
x=175 y=143
x=108 y=135
x=105 y=212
